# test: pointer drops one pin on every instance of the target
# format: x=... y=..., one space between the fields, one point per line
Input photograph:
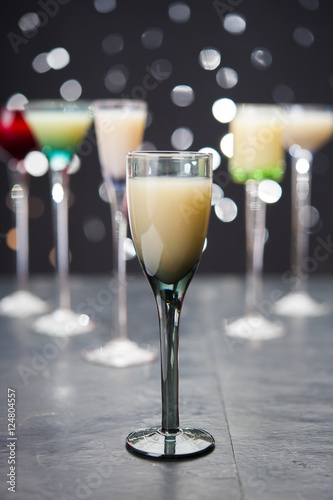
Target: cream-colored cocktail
x=257 y=144
x=308 y=128
x=169 y=220
x=118 y=130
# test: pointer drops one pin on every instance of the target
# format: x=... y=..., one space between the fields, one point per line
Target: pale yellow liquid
x=169 y=220
x=60 y=130
x=257 y=145
x=118 y=132
x=310 y=129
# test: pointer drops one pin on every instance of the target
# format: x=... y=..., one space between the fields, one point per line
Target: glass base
x=22 y=304
x=300 y=304
x=63 y=323
x=120 y=353
x=254 y=327
x=153 y=443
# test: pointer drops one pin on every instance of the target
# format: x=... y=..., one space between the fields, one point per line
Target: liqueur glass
x=258 y=155
x=307 y=129
x=119 y=126
x=59 y=127
x=169 y=201
x=16 y=141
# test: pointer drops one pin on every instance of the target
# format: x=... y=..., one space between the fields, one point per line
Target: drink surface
x=59 y=130
x=310 y=129
x=257 y=147
x=118 y=131
x=169 y=220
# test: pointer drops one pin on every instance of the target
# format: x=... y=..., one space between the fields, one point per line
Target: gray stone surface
x=269 y=405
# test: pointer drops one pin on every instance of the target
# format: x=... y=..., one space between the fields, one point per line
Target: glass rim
x=57 y=104
x=169 y=154
x=100 y=104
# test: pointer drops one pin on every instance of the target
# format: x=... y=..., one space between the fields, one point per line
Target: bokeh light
x=116 y=78
x=182 y=95
x=261 y=58
x=303 y=37
x=227 y=145
x=224 y=110
x=269 y=191
x=58 y=58
x=105 y=6
x=11 y=239
x=234 y=24
x=40 y=64
x=152 y=38
x=179 y=12
x=29 y=22
x=36 y=163
x=71 y=90
x=209 y=58
x=113 y=44
x=227 y=78
x=182 y=138
x=94 y=229
x=226 y=210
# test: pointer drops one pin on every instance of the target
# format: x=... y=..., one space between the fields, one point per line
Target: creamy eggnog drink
x=118 y=130
x=257 y=144
x=309 y=128
x=169 y=220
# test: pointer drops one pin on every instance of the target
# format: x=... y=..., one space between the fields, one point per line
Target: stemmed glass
x=257 y=157
x=119 y=126
x=59 y=127
x=169 y=199
x=16 y=141
x=307 y=129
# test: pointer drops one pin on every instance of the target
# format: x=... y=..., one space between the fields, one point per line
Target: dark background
x=77 y=26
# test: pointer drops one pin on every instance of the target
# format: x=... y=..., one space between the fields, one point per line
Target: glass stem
x=255 y=216
x=60 y=185
x=20 y=195
x=301 y=199
x=119 y=234
x=169 y=307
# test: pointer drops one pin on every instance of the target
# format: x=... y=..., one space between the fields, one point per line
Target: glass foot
x=254 y=327
x=120 y=354
x=300 y=304
x=63 y=323
x=22 y=304
x=153 y=443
